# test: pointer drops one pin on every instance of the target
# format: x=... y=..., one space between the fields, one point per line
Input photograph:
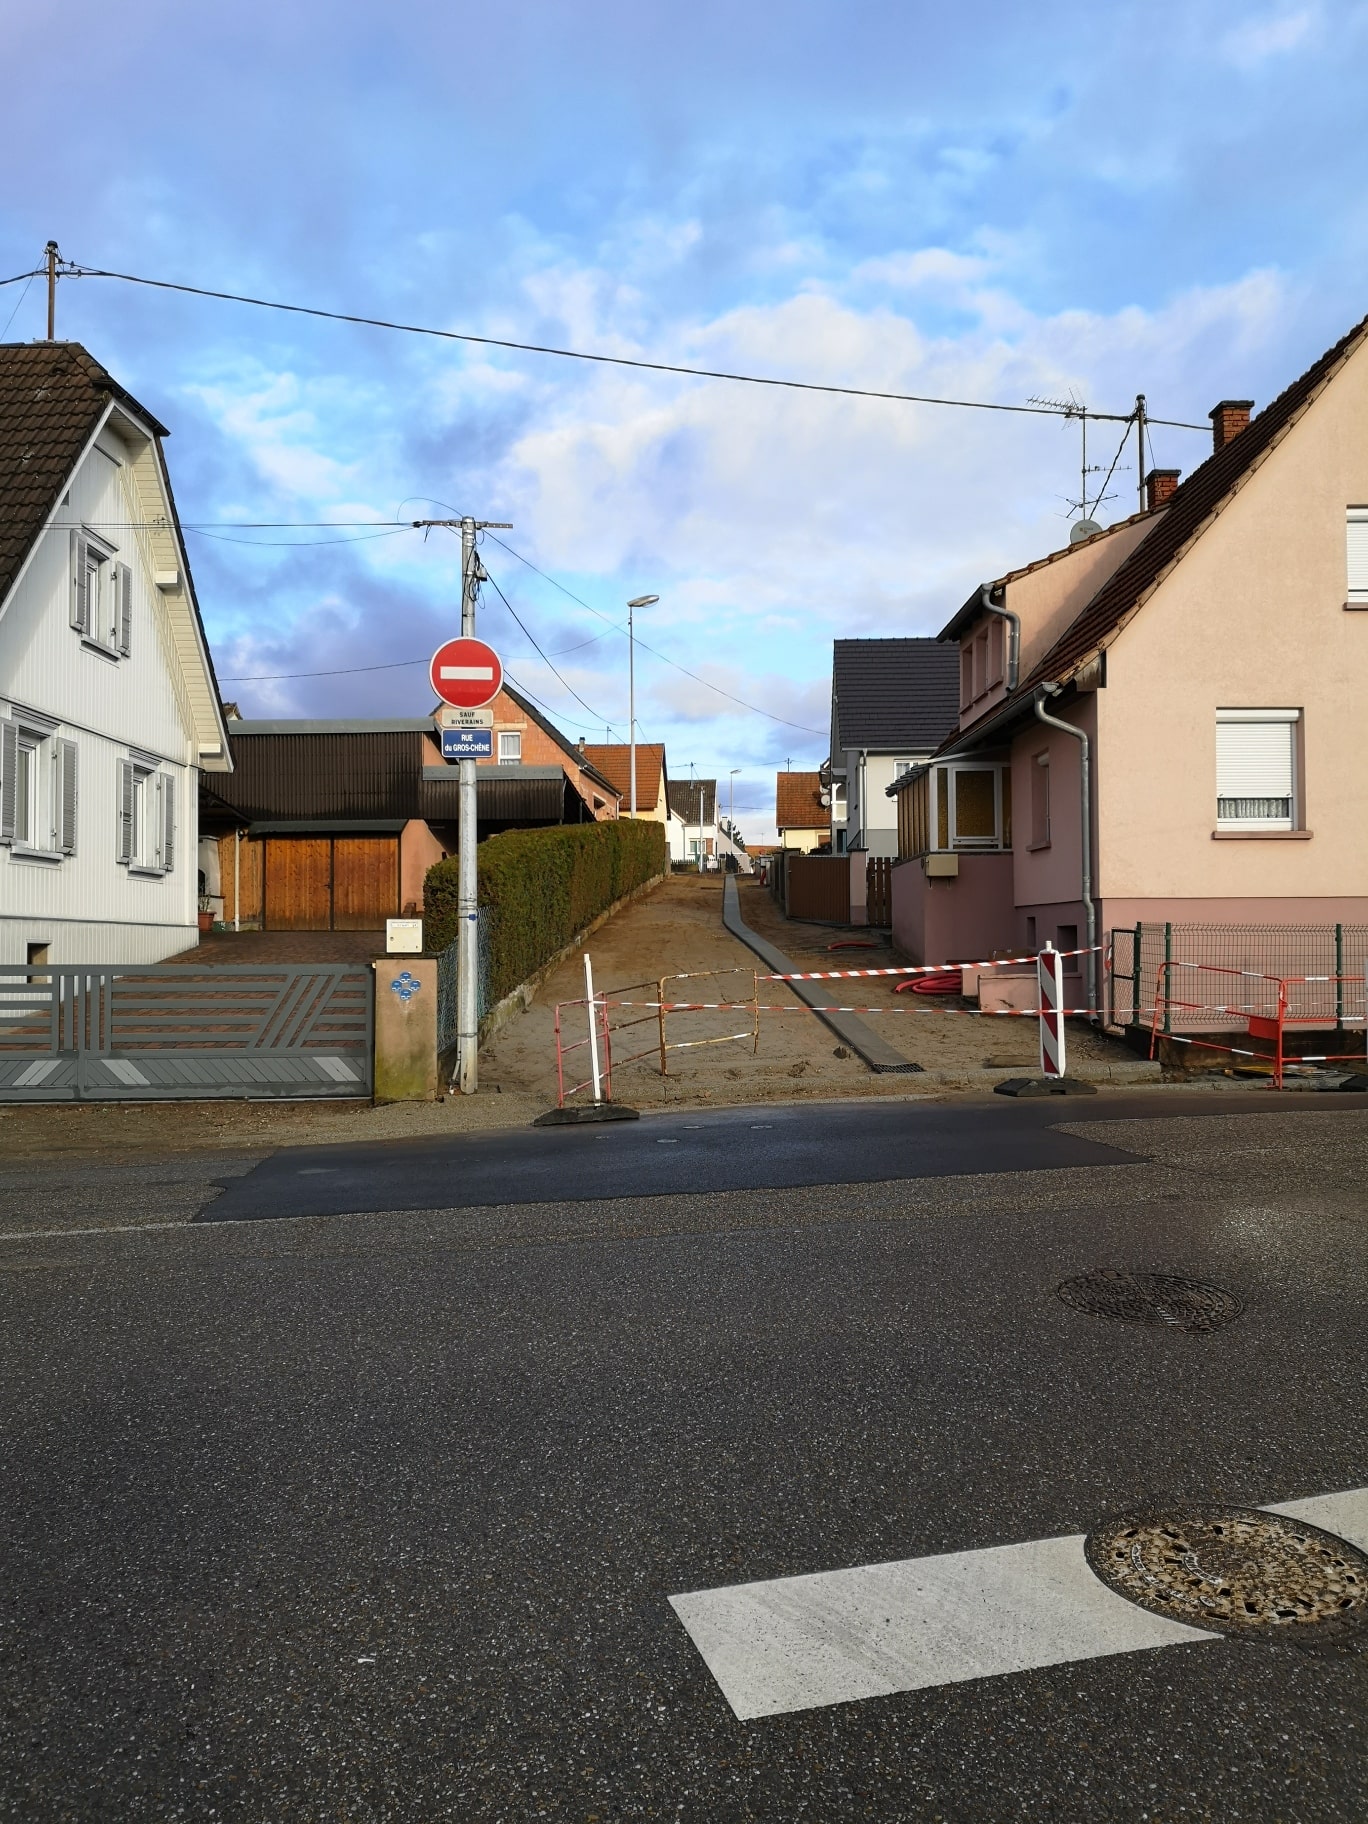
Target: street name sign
x=467 y=744
x=466 y=673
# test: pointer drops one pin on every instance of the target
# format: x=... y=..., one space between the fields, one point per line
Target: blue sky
x=992 y=203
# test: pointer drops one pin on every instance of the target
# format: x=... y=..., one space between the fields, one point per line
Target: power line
x=71 y=270
x=596 y=714
x=36 y=273
x=754 y=708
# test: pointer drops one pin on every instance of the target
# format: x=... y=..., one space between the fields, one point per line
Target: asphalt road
x=377 y=1515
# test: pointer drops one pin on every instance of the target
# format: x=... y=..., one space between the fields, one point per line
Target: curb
x=871 y=1050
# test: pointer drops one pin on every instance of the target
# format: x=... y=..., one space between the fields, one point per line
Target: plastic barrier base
x=587 y=1111
x=1044 y=1086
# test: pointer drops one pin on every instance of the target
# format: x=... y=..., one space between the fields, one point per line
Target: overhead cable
x=70 y=269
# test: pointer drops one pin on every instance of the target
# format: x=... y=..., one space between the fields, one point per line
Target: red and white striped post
x=1050 y=979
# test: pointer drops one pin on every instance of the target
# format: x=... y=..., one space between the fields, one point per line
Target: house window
x=975 y=818
x=147 y=819
x=37 y=787
x=510 y=747
x=1040 y=801
x=101 y=594
x=1356 y=539
x=1256 y=769
x=902 y=766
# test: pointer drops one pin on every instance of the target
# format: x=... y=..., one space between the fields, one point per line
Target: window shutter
x=80 y=584
x=1254 y=771
x=9 y=778
x=123 y=586
x=1357 y=536
x=127 y=788
x=168 y=811
x=66 y=799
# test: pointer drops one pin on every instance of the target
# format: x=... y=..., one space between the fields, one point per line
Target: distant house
x=332 y=825
x=109 y=709
x=892 y=704
x=692 y=827
x=802 y=811
x=613 y=760
x=1192 y=679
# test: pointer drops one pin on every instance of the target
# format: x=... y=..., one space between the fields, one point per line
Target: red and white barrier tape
x=832 y=975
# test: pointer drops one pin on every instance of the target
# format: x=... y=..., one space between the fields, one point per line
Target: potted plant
x=206 y=914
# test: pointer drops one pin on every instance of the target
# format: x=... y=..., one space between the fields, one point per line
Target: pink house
x=1164 y=721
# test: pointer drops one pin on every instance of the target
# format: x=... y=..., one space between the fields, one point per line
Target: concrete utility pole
x=467 y=878
x=52 y=257
x=637 y=601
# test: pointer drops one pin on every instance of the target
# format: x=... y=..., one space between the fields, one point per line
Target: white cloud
x=1256 y=40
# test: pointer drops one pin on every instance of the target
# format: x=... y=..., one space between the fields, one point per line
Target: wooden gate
x=330 y=883
x=879 y=890
x=819 y=888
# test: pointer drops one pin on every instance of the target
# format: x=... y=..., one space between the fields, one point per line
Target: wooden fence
x=819 y=888
x=879 y=890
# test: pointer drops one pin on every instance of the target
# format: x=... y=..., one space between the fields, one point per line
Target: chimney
x=1159 y=487
x=1228 y=419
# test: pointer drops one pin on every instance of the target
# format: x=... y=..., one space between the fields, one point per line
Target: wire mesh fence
x=1318 y=963
x=448 y=975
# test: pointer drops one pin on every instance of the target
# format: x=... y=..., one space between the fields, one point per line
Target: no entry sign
x=466 y=673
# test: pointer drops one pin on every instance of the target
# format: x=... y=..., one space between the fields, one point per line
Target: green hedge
x=543 y=887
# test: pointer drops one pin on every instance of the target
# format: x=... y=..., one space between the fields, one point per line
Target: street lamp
x=731 y=820
x=637 y=601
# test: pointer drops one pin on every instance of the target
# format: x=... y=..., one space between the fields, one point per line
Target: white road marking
x=125 y=1228
x=796 y=1643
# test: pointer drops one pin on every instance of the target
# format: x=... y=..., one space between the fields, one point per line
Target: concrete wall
x=965 y=919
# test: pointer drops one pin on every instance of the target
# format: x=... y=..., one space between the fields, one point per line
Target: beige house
x=802 y=811
x=1164 y=722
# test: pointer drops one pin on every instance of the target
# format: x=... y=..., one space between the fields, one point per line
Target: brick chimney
x=1159 y=487
x=1228 y=419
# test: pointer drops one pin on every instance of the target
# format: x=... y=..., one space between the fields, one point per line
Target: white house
x=691 y=828
x=109 y=707
x=893 y=701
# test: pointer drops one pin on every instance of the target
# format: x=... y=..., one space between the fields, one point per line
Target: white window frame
x=952 y=820
x=101 y=594
x=1291 y=719
x=1356 y=556
x=148 y=845
x=40 y=822
x=513 y=738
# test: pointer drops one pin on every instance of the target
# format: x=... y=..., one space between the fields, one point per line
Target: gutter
x=989 y=606
x=1085 y=799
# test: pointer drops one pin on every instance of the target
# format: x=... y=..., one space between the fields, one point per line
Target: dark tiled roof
x=1186 y=515
x=798 y=802
x=894 y=696
x=52 y=395
x=686 y=795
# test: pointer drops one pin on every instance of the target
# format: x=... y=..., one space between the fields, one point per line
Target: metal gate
x=102 y=1033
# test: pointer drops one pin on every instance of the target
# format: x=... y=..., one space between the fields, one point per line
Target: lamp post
x=731 y=818
x=637 y=601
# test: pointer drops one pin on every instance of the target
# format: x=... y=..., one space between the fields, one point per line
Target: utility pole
x=52 y=257
x=1140 y=445
x=467 y=878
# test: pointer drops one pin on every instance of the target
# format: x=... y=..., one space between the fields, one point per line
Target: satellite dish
x=1083 y=528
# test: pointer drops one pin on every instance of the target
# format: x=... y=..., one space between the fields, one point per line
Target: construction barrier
x=1268 y=1007
x=602 y=1029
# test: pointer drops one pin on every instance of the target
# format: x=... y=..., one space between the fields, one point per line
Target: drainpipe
x=1085 y=797
x=989 y=606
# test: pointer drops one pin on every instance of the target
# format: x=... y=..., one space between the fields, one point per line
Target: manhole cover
x=1236 y=1570
x=1151 y=1298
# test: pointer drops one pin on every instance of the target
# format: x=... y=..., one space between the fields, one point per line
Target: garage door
x=326 y=883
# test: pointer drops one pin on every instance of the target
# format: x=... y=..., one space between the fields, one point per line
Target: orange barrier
x=1282 y=1003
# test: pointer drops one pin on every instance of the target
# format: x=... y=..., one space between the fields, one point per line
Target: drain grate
x=1151 y=1298
x=1237 y=1570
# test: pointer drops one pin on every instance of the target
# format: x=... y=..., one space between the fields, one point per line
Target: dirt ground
x=936 y=1031
x=678 y=928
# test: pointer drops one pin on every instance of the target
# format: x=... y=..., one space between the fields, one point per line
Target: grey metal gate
x=184 y=1033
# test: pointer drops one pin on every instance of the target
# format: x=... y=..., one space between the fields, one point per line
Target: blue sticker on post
x=405 y=985
x=467 y=744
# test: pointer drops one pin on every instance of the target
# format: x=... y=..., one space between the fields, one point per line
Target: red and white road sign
x=466 y=673
x=1050 y=980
